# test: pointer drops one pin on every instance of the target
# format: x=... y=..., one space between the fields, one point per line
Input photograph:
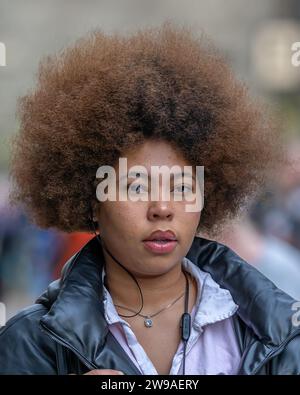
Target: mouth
x=161 y=242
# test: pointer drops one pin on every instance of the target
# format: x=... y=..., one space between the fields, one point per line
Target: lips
x=162 y=235
x=161 y=242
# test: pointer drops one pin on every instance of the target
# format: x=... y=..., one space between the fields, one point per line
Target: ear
x=94 y=211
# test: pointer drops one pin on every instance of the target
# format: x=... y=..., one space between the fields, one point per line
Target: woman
x=146 y=295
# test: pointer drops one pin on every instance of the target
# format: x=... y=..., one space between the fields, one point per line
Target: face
x=125 y=225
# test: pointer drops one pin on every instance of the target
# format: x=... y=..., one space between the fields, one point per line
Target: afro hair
x=107 y=93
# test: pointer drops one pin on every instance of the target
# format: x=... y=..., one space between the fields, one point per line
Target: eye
x=180 y=188
x=137 y=188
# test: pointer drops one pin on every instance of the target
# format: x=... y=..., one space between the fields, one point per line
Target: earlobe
x=94 y=225
x=93 y=220
x=93 y=216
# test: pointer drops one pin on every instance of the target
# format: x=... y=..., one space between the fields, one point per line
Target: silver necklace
x=148 y=322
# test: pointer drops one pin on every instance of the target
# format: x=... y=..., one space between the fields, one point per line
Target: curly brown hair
x=107 y=93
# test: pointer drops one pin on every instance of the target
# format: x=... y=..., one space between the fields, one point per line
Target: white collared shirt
x=212 y=347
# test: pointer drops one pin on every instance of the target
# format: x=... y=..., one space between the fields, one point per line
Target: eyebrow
x=176 y=175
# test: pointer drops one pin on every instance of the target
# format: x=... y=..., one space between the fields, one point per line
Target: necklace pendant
x=148 y=322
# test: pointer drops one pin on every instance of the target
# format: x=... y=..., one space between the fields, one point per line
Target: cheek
x=191 y=223
x=124 y=217
x=188 y=219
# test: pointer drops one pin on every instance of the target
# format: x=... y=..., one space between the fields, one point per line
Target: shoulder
x=287 y=362
x=24 y=347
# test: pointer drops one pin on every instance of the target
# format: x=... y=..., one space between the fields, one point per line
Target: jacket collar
x=76 y=311
x=260 y=302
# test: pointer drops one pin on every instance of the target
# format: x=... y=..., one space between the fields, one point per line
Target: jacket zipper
x=59 y=340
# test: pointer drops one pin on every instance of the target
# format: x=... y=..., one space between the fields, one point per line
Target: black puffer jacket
x=65 y=331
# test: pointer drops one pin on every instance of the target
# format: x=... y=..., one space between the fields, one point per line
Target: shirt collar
x=213 y=303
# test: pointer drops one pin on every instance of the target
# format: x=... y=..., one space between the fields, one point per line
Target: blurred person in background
x=268 y=235
x=30 y=257
x=277 y=211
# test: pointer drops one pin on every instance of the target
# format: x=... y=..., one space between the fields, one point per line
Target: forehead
x=155 y=153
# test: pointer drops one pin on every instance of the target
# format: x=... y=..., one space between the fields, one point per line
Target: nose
x=160 y=210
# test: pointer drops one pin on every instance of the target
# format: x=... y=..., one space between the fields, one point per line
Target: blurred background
x=256 y=37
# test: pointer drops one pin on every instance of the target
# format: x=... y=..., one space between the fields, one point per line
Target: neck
x=157 y=290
